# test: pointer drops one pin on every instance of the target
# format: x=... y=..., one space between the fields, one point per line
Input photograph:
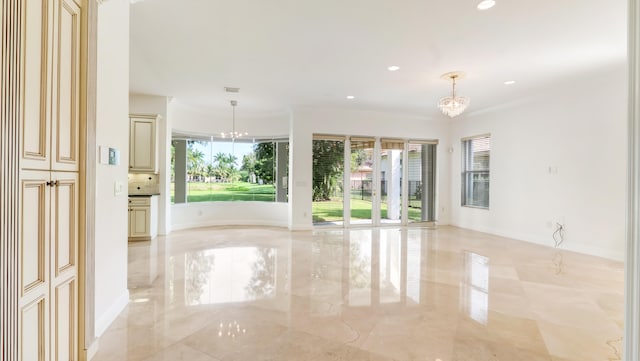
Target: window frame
x=212 y=140
x=468 y=173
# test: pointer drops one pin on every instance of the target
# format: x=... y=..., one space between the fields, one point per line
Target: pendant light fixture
x=233 y=134
x=453 y=105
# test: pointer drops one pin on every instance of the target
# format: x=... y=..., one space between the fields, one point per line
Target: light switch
x=104 y=155
x=117 y=188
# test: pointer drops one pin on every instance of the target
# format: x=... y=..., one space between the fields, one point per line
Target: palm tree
x=226 y=166
x=210 y=171
x=195 y=163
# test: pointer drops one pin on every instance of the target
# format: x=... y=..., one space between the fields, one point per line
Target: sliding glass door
x=328 y=181
x=391 y=154
x=387 y=181
x=361 y=180
x=421 y=181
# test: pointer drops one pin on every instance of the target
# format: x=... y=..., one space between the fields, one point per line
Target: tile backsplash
x=140 y=183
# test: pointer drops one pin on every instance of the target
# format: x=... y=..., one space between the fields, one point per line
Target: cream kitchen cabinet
x=143 y=218
x=142 y=143
x=50 y=117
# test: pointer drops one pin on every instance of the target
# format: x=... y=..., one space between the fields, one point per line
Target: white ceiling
x=295 y=53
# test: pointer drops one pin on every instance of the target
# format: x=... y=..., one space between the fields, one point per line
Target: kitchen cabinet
x=49 y=180
x=143 y=143
x=143 y=218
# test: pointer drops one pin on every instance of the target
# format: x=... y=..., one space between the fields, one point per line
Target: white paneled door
x=50 y=122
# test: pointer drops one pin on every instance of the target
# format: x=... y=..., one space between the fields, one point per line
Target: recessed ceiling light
x=350 y=97
x=509 y=82
x=486 y=4
x=393 y=68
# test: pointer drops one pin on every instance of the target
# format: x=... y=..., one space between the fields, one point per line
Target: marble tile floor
x=444 y=294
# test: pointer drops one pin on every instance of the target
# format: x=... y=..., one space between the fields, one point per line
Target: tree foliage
x=264 y=166
x=222 y=167
x=328 y=165
x=225 y=166
x=195 y=161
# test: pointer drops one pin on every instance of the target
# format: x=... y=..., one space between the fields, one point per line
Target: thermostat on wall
x=114 y=156
x=110 y=156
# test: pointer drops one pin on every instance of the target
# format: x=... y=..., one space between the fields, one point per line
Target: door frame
x=87 y=342
x=631 y=350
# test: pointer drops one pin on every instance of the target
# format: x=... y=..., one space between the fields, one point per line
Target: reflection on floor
x=443 y=294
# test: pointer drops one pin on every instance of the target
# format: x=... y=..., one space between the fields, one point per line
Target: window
x=475 y=171
x=206 y=169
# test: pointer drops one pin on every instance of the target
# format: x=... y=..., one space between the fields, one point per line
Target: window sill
x=475 y=207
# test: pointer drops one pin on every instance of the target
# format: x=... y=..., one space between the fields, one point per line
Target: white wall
x=202 y=214
x=187 y=120
x=306 y=122
x=153 y=104
x=111 y=294
x=578 y=128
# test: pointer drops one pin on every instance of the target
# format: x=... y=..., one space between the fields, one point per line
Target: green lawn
x=239 y=191
x=331 y=211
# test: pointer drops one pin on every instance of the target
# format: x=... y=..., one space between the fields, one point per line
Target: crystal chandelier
x=453 y=105
x=233 y=134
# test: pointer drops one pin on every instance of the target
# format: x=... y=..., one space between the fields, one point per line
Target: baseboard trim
x=544 y=241
x=107 y=318
x=180 y=227
x=92 y=350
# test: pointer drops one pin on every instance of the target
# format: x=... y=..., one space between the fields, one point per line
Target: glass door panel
x=361 y=181
x=391 y=154
x=421 y=182
x=328 y=180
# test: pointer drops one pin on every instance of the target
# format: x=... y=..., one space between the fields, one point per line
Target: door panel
x=33 y=326
x=361 y=182
x=64 y=228
x=391 y=170
x=36 y=54
x=64 y=233
x=421 y=182
x=35 y=234
x=328 y=181
x=64 y=321
x=67 y=87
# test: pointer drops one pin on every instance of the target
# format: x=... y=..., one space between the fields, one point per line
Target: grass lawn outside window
x=331 y=211
x=229 y=192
